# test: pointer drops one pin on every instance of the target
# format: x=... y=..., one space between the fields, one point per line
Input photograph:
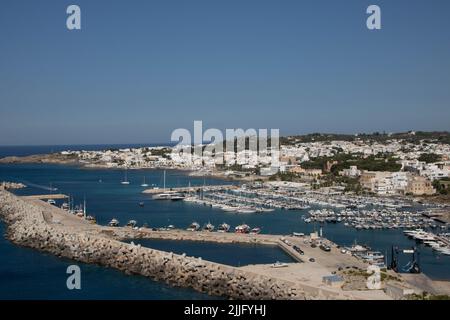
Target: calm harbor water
x=25 y=273
x=225 y=253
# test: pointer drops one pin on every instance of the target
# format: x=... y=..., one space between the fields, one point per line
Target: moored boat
x=209 y=227
x=131 y=223
x=194 y=226
x=224 y=227
x=279 y=265
x=114 y=223
x=255 y=230
x=243 y=228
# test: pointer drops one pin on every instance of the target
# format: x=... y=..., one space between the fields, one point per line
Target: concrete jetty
x=55 y=196
x=37 y=224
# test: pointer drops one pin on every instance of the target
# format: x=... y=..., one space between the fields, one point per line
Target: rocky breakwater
x=4 y=185
x=28 y=225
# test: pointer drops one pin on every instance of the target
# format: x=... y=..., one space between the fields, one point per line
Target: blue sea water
x=25 y=273
x=6 y=151
x=28 y=274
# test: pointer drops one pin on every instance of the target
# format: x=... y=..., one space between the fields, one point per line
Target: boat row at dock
x=374 y=218
x=438 y=242
x=195 y=226
x=76 y=210
x=249 y=199
x=243 y=201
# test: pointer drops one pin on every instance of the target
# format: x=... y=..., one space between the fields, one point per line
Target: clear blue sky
x=139 y=69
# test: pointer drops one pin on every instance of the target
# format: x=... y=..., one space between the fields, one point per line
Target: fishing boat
x=91 y=219
x=224 y=227
x=141 y=204
x=243 y=228
x=194 y=226
x=79 y=213
x=131 y=223
x=114 y=223
x=162 y=196
x=209 y=227
x=125 y=180
x=255 y=230
x=51 y=201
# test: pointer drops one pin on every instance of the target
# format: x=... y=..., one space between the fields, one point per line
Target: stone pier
x=26 y=226
x=36 y=224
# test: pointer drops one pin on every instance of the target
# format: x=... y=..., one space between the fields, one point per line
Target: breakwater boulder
x=27 y=226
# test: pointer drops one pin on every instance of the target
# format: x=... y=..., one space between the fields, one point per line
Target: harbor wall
x=27 y=225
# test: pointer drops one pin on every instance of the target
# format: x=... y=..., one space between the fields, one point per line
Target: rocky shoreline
x=30 y=226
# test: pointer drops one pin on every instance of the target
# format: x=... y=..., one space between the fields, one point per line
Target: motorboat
x=279 y=264
x=131 y=223
x=162 y=196
x=243 y=228
x=177 y=196
x=255 y=230
x=114 y=223
x=91 y=219
x=224 y=227
x=194 y=226
x=209 y=227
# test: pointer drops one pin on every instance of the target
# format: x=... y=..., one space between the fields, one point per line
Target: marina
x=374 y=219
x=163 y=220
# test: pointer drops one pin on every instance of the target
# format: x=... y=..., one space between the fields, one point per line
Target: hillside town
x=386 y=167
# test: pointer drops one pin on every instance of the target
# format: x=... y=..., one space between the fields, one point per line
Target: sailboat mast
x=84 y=208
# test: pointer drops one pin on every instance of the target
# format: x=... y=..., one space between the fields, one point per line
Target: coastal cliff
x=30 y=226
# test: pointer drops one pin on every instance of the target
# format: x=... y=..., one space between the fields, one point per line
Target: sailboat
x=125 y=181
x=164 y=195
x=144 y=184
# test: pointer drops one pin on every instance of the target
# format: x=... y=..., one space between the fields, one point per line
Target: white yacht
x=162 y=196
x=194 y=226
x=209 y=227
x=114 y=223
x=224 y=227
x=177 y=196
x=131 y=223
